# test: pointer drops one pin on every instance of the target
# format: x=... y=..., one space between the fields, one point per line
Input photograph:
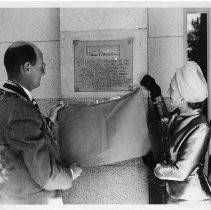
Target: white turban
x=191 y=83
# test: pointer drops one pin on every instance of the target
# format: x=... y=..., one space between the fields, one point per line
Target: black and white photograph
x=105 y=103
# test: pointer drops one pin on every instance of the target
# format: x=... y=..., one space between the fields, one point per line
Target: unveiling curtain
x=104 y=133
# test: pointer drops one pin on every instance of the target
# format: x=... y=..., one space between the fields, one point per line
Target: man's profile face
x=36 y=71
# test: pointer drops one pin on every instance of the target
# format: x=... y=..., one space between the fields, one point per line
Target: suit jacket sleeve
x=27 y=134
x=188 y=157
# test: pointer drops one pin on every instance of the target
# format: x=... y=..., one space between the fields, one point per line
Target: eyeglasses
x=42 y=68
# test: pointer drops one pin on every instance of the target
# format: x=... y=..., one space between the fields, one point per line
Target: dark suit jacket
x=30 y=167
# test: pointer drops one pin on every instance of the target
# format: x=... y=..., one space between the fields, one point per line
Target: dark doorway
x=197 y=42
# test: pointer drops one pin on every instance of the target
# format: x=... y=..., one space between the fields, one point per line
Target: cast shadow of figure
x=155 y=132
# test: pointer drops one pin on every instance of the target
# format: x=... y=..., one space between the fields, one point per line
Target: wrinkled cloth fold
x=104 y=133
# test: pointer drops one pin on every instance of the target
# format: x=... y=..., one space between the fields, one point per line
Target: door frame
x=208 y=11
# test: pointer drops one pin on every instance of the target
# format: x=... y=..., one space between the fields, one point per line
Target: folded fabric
x=104 y=133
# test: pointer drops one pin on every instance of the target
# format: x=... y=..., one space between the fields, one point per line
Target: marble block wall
x=120 y=183
x=166 y=48
x=124 y=182
x=40 y=26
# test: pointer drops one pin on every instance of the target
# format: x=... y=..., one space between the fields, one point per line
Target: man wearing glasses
x=31 y=171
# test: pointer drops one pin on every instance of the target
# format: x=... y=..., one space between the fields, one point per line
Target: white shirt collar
x=27 y=92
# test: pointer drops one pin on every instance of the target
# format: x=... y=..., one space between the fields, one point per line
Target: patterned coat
x=30 y=167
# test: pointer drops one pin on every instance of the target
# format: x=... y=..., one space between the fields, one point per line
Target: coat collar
x=12 y=87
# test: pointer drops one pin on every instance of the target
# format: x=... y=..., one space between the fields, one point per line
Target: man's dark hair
x=18 y=55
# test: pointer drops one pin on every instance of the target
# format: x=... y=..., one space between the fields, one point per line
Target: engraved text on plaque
x=103 y=65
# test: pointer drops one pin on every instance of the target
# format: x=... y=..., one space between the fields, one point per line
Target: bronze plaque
x=103 y=65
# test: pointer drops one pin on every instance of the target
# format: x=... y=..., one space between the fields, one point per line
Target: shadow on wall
x=155 y=132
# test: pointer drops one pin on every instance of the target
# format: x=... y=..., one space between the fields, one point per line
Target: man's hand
x=76 y=170
x=54 y=113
